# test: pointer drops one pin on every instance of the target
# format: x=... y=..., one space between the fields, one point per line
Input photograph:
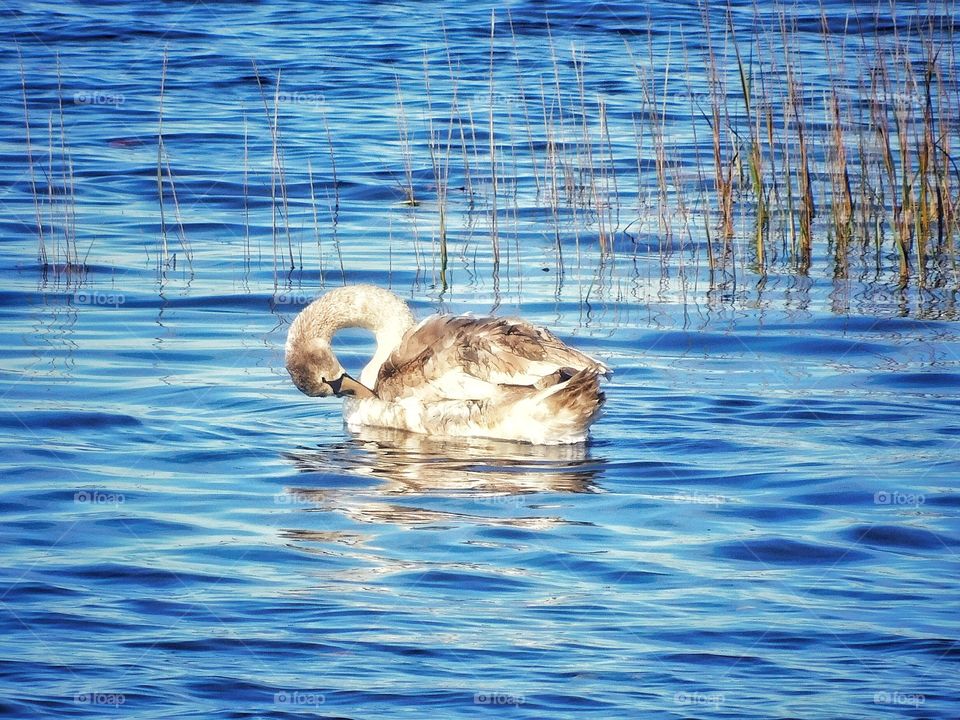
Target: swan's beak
x=346 y=386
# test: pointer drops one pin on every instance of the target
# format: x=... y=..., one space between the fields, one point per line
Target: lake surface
x=766 y=522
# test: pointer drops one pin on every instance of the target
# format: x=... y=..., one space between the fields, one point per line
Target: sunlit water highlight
x=764 y=525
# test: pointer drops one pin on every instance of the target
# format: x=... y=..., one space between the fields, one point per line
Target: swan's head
x=314 y=368
x=316 y=371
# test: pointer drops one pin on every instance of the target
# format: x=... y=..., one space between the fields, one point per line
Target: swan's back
x=471 y=357
x=485 y=377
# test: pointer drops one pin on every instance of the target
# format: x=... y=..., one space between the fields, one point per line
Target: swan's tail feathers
x=570 y=405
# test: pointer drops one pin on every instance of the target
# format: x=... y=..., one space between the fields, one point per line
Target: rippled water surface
x=765 y=523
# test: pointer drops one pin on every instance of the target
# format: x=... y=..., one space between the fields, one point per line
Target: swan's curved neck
x=364 y=306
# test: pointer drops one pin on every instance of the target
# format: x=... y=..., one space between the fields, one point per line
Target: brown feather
x=500 y=351
x=580 y=398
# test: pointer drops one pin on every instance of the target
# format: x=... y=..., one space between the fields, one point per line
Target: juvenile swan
x=449 y=375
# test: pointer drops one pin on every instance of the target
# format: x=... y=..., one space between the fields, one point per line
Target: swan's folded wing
x=449 y=357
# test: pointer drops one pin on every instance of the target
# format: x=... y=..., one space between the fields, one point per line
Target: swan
x=448 y=376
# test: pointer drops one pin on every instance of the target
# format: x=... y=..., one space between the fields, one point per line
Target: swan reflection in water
x=497 y=474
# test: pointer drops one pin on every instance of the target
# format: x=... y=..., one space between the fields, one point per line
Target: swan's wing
x=456 y=357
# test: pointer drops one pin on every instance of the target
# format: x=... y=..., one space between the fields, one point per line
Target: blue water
x=765 y=524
